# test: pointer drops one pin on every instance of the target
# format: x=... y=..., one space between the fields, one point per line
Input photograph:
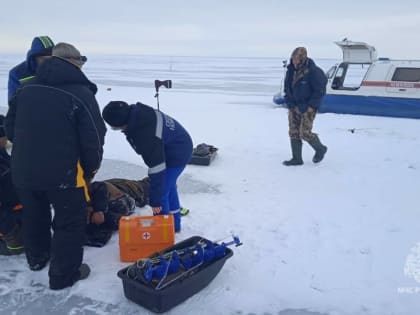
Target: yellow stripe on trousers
x=80 y=181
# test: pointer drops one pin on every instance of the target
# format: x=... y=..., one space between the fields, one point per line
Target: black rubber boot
x=14 y=242
x=319 y=148
x=84 y=270
x=81 y=274
x=39 y=262
x=296 y=145
x=4 y=251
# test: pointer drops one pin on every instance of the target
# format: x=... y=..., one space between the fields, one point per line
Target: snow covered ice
x=338 y=238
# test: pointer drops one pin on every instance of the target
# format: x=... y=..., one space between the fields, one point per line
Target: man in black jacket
x=58 y=134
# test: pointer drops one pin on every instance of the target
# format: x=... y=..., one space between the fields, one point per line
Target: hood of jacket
x=57 y=71
x=141 y=116
x=41 y=45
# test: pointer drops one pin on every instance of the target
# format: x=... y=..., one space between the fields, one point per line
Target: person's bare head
x=70 y=53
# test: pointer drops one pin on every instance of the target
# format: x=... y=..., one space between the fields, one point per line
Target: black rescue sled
x=165 y=279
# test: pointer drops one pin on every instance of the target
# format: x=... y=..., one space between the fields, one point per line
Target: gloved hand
x=3 y=142
x=156 y=210
x=89 y=214
x=98 y=217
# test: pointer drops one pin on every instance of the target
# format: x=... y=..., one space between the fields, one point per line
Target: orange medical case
x=141 y=236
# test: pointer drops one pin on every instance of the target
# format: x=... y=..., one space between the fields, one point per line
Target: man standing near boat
x=304 y=88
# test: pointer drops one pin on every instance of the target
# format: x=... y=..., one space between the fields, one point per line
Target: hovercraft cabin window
x=349 y=76
x=406 y=74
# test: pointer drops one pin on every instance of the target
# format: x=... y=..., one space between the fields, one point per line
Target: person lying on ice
x=165 y=146
x=11 y=242
x=110 y=200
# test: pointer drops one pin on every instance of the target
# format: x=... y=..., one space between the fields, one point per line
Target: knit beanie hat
x=116 y=113
x=41 y=46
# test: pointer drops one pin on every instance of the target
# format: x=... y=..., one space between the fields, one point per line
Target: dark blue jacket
x=308 y=90
x=161 y=141
x=40 y=45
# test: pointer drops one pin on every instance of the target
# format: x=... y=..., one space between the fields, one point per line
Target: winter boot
x=184 y=211
x=84 y=271
x=14 y=241
x=4 y=251
x=296 y=145
x=37 y=263
x=319 y=148
x=82 y=274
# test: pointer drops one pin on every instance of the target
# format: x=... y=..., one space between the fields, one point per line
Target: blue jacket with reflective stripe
x=161 y=141
x=41 y=45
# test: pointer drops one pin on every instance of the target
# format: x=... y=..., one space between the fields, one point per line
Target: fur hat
x=116 y=113
x=300 y=53
x=70 y=53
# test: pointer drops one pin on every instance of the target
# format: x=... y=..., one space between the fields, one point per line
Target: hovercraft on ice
x=362 y=84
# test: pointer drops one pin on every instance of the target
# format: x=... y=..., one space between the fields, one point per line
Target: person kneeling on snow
x=165 y=146
x=11 y=242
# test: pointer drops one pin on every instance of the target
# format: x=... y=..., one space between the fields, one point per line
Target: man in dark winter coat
x=11 y=242
x=57 y=132
x=304 y=88
x=165 y=146
x=110 y=200
x=41 y=49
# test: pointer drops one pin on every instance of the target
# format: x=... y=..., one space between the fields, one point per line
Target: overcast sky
x=214 y=27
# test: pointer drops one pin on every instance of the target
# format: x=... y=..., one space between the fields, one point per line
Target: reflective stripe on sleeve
x=159 y=124
x=157 y=168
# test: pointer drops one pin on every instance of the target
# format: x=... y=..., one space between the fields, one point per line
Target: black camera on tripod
x=165 y=83
x=158 y=84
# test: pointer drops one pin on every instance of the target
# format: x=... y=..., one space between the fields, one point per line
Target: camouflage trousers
x=300 y=124
x=136 y=189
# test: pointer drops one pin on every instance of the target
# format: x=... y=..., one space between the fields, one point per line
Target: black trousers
x=65 y=246
x=7 y=220
x=8 y=201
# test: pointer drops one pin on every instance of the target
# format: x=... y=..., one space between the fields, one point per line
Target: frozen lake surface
x=327 y=239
